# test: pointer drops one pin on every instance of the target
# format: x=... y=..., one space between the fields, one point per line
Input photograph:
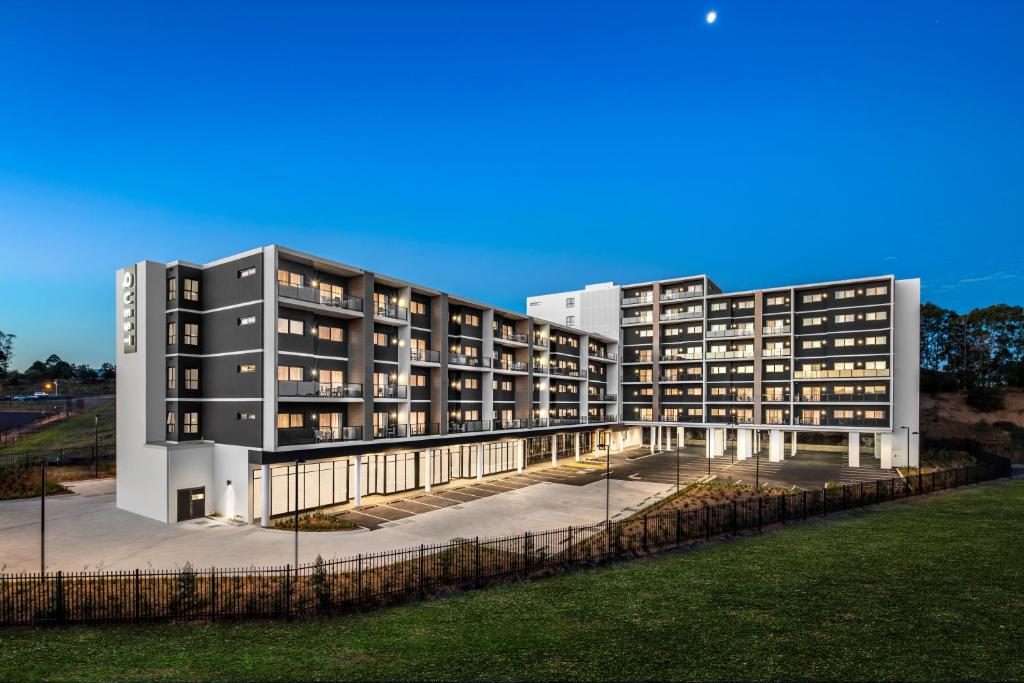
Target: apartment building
x=237 y=376
x=761 y=366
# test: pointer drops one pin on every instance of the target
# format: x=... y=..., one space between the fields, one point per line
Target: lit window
x=845 y=293
x=289 y=373
x=812 y=298
x=288 y=326
x=844 y=318
x=719 y=305
x=328 y=333
x=172 y=334
x=172 y=288
x=248 y=417
x=418 y=308
x=247 y=367
x=289 y=420
x=285 y=277
x=247 y=320
x=191 y=292
x=191 y=423
x=877 y=291
x=192 y=379
x=192 y=334
x=172 y=378
x=171 y=422
x=247 y=272
x=876 y=315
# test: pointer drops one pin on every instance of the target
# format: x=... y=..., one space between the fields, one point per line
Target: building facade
x=762 y=366
x=242 y=378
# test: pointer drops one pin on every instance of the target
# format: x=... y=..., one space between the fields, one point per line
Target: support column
x=358 y=493
x=577 y=438
x=744 y=443
x=520 y=455
x=681 y=436
x=776 y=445
x=429 y=467
x=877 y=445
x=886 y=448
x=265 y=496
x=718 y=442
x=653 y=437
x=757 y=442
x=707 y=443
x=854 y=458
x=793 y=445
x=479 y=461
x=554 y=449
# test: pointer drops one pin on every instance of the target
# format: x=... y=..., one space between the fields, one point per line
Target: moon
x=712 y=15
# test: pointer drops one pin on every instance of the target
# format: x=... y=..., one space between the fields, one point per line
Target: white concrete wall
x=906 y=364
x=189 y=465
x=231 y=463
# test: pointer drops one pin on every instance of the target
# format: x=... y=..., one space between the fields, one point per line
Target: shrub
x=985 y=399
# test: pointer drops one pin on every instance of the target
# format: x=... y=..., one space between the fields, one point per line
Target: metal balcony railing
x=538 y=422
x=824 y=421
x=399 y=391
x=512 y=365
x=775 y=399
x=842 y=398
x=565 y=421
x=458 y=427
x=776 y=329
x=424 y=356
x=601 y=419
x=424 y=429
x=318 y=390
x=541 y=342
x=511 y=424
x=314 y=296
x=469 y=361
x=566 y=372
x=679 y=378
x=680 y=294
x=601 y=398
x=729 y=398
x=302 y=436
x=540 y=368
x=391 y=311
x=512 y=337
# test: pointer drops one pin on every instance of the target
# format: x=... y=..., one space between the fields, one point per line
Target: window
x=191 y=423
x=172 y=288
x=471 y=319
x=644 y=375
x=719 y=305
x=695 y=412
x=875 y=389
x=247 y=367
x=875 y=365
x=570 y=320
x=172 y=378
x=812 y=344
x=812 y=298
x=874 y=415
x=844 y=318
x=418 y=380
x=288 y=326
x=471 y=383
x=876 y=315
x=746 y=303
x=693 y=370
x=744 y=369
x=875 y=341
x=191 y=293
x=330 y=333
x=844 y=342
x=570 y=302
x=843 y=414
x=845 y=293
x=285 y=277
x=776 y=301
x=247 y=417
x=192 y=334
x=172 y=334
x=246 y=272
x=775 y=367
x=813 y=321
x=380 y=339
x=719 y=370
x=289 y=420
x=645 y=333
x=418 y=308
x=171 y=422
x=289 y=373
x=842 y=390
x=693 y=329
x=329 y=292
x=192 y=379
x=881 y=290
x=247 y=320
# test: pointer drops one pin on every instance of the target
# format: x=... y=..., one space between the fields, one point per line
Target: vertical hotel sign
x=129 y=309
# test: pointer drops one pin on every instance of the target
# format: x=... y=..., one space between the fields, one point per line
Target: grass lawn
x=924 y=590
x=76 y=431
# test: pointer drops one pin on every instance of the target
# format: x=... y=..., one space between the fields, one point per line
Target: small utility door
x=191 y=503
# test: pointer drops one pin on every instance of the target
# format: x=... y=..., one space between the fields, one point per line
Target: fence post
x=707 y=522
x=422 y=552
x=608 y=540
x=760 y=502
x=478 y=561
x=679 y=526
x=138 y=596
x=571 y=551
x=288 y=592
x=213 y=594
x=60 y=597
x=359 y=579
x=733 y=513
x=783 y=501
x=645 y=533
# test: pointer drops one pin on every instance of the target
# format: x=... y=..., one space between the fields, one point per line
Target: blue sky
x=501 y=149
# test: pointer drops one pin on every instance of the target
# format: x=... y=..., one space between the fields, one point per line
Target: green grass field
x=74 y=432
x=929 y=589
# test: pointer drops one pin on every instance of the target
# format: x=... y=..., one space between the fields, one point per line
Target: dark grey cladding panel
x=221 y=331
x=222 y=285
x=308 y=342
x=220 y=422
x=220 y=377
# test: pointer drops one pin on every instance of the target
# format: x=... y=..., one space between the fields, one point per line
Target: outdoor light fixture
x=229 y=482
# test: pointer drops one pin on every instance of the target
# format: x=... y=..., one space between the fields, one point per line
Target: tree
x=6 y=352
x=107 y=371
x=982 y=349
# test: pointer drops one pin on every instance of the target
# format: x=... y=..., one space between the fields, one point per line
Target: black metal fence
x=367 y=581
x=69 y=457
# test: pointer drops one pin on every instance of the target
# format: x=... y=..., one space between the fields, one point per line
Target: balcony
x=731 y=332
x=424 y=429
x=842 y=398
x=731 y=354
x=390 y=431
x=468 y=361
x=565 y=421
x=601 y=419
x=824 y=421
x=602 y=398
x=542 y=342
x=772 y=398
x=685 y=294
x=603 y=355
x=390 y=391
x=307 y=436
x=680 y=315
x=424 y=356
x=540 y=368
x=840 y=374
x=469 y=426
x=566 y=372
x=538 y=422
x=391 y=311
x=510 y=337
x=316 y=390
x=638 y=320
x=638 y=300
x=776 y=329
x=511 y=424
x=677 y=357
x=679 y=378
x=776 y=353
x=313 y=295
x=731 y=420
x=729 y=398
x=511 y=365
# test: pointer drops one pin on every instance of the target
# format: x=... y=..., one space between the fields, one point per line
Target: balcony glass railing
x=302 y=436
x=540 y=368
x=510 y=336
x=842 y=398
x=459 y=427
x=773 y=398
x=746 y=353
x=692 y=355
x=679 y=378
x=541 y=341
x=674 y=295
x=468 y=361
x=424 y=356
x=601 y=419
x=638 y=320
x=511 y=424
x=565 y=421
x=634 y=300
x=602 y=398
x=390 y=431
x=776 y=329
x=729 y=398
x=391 y=311
x=400 y=391
x=840 y=374
x=424 y=429
x=731 y=332
x=314 y=296
x=680 y=315
x=318 y=390
x=511 y=365
x=607 y=355
x=566 y=372
x=824 y=421
x=775 y=353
